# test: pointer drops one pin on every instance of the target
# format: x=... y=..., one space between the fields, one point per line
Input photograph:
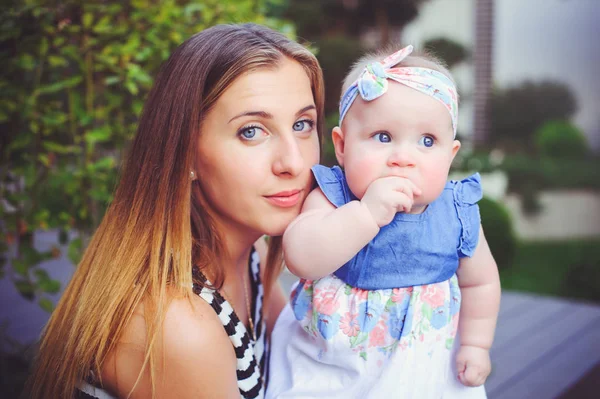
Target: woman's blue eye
x=383 y=137
x=303 y=125
x=427 y=141
x=248 y=133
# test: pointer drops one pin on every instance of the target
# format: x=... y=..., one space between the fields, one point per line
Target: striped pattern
x=250 y=355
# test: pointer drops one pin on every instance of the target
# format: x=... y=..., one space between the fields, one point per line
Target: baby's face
x=402 y=133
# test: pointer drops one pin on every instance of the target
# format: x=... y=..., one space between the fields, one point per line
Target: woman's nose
x=288 y=157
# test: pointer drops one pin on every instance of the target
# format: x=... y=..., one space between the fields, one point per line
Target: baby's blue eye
x=427 y=141
x=382 y=137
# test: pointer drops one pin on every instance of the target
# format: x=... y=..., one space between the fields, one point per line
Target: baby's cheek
x=433 y=182
x=361 y=172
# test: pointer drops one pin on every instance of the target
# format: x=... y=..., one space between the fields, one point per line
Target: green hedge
x=499 y=232
x=557 y=268
x=73 y=82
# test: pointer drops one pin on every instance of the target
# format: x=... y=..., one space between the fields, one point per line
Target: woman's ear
x=337 y=137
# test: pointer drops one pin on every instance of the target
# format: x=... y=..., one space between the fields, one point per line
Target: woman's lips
x=285 y=199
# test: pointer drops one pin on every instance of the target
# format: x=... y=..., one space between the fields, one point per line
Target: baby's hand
x=473 y=364
x=388 y=195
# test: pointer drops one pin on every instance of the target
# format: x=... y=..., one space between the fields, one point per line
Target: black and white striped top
x=251 y=356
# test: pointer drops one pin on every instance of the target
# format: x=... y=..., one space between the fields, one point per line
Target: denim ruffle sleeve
x=467 y=193
x=333 y=184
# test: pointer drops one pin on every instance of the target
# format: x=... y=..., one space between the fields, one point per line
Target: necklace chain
x=247 y=303
x=248 y=307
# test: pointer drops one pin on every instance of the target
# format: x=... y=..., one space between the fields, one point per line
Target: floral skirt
x=336 y=341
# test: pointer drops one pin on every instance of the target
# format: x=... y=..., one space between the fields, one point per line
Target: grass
x=544 y=268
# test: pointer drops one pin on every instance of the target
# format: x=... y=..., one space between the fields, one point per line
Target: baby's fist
x=473 y=364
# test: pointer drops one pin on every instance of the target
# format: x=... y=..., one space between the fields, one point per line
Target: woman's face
x=256 y=147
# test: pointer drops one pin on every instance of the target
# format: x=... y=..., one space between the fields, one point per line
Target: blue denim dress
x=414 y=249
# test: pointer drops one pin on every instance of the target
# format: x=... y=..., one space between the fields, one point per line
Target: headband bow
x=373 y=83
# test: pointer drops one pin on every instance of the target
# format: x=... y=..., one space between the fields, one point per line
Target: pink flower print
x=377 y=335
x=398 y=294
x=349 y=324
x=360 y=294
x=325 y=301
x=433 y=295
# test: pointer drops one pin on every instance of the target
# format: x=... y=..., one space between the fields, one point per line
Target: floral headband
x=373 y=83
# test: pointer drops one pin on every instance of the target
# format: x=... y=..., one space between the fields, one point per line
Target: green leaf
x=56 y=61
x=41 y=274
x=27 y=62
x=46 y=304
x=31 y=256
x=106 y=163
x=41 y=216
x=58 y=86
x=59 y=148
x=58 y=41
x=132 y=87
x=103 y=25
x=22 y=140
x=43 y=158
x=111 y=80
x=20 y=267
x=75 y=251
x=50 y=286
x=44 y=46
x=26 y=289
x=99 y=135
x=88 y=18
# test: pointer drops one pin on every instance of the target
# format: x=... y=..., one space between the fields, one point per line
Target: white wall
x=565 y=215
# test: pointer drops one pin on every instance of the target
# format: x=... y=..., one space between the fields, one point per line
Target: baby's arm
x=480 y=289
x=324 y=237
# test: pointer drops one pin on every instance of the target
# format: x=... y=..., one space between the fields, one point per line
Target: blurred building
x=529 y=40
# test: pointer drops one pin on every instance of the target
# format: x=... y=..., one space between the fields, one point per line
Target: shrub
x=499 y=232
x=516 y=113
x=583 y=276
x=561 y=139
x=73 y=81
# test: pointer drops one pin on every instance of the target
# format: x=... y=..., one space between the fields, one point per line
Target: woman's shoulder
x=191 y=345
x=192 y=324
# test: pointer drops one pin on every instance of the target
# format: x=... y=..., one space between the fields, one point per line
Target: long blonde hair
x=158 y=224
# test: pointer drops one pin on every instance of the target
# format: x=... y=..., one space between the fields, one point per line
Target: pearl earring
x=192 y=175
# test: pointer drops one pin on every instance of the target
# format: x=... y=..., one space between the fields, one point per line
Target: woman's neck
x=237 y=244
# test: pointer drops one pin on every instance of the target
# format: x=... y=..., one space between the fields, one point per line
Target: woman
x=222 y=157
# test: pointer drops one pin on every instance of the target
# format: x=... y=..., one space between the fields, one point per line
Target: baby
x=388 y=251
